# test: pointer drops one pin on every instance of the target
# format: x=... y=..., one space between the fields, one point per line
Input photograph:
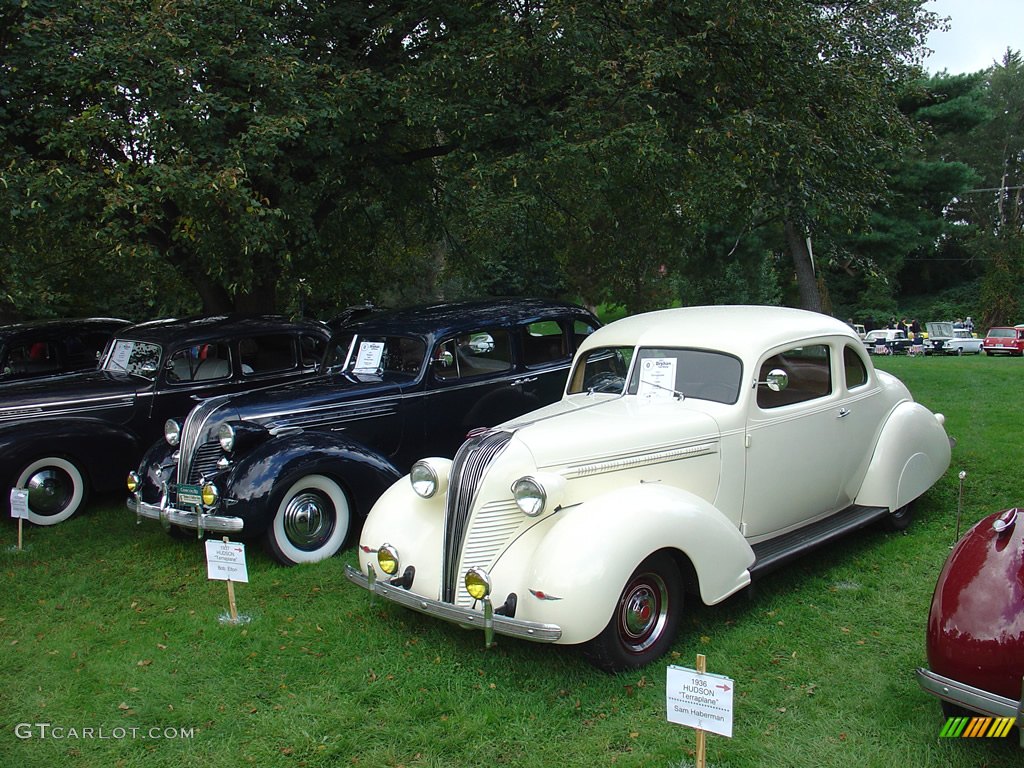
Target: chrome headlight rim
x=210 y=494
x=477 y=583
x=387 y=559
x=226 y=437
x=530 y=495
x=424 y=479
x=172 y=432
x=133 y=481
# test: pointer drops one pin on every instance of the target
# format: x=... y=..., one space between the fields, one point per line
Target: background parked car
x=48 y=347
x=944 y=339
x=1003 y=340
x=887 y=341
x=62 y=436
x=975 y=636
x=301 y=465
x=693 y=450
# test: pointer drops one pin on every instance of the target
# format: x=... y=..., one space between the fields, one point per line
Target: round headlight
x=172 y=432
x=210 y=494
x=133 y=481
x=387 y=559
x=529 y=495
x=423 y=479
x=478 y=583
x=226 y=437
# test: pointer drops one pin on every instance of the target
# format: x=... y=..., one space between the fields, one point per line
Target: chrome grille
x=493 y=526
x=468 y=469
x=192 y=433
x=204 y=461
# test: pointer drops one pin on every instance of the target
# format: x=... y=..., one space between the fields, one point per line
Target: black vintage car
x=62 y=436
x=301 y=465
x=49 y=347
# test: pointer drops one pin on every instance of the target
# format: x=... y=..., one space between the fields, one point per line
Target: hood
x=70 y=393
x=302 y=404
x=575 y=431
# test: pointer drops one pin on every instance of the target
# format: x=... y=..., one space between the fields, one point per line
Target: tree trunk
x=810 y=297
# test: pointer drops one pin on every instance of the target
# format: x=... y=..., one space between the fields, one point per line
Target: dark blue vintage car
x=62 y=436
x=49 y=347
x=302 y=465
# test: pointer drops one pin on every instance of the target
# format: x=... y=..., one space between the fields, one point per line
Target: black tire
x=56 y=489
x=312 y=521
x=989 y=353
x=899 y=519
x=959 y=351
x=645 y=621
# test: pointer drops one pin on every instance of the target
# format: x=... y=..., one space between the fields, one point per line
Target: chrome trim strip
x=631 y=461
x=66 y=406
x=190 y=520
x=525 y=630
x=969 y=697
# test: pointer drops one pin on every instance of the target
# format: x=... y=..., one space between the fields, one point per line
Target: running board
x=770 y=554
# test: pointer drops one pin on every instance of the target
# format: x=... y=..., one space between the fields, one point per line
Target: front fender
x=912 y=453
x=251 y=483
x=572 y=567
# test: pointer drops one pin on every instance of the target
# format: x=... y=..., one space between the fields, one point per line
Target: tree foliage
x=169 y=155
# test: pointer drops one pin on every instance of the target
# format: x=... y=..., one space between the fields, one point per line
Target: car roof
x=746 y=331
x=210 y=328
x=452 y=317
x=62 y=325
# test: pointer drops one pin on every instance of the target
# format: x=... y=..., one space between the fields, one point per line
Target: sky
x=980 y=31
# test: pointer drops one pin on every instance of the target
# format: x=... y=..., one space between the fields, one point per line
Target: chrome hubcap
x=308 y=519
x=49 y=491
x=644 y=612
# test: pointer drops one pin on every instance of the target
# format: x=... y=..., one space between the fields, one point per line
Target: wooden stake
x=701 y=736
x=19 y=534
x=231 y=601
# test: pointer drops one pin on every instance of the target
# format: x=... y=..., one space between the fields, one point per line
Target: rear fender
x=912 y=453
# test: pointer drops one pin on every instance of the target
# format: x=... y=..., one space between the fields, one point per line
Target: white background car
x=944 y=339
x=693 y=449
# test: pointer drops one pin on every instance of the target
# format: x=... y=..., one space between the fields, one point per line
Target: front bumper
x=502 y=625
x=970 y=698
x=168 y=515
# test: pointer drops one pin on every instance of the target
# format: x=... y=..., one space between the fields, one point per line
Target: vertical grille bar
x=468 y=469
x=192 y=435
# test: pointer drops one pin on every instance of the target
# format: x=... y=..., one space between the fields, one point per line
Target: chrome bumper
x=970 y=698
x=502 y=625
x=193 y=521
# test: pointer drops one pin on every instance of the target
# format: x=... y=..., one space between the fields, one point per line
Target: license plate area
x=190 y=495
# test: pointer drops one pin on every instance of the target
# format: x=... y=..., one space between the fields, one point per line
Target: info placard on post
x=19 y=503
x=700 y=700
x=225 y=561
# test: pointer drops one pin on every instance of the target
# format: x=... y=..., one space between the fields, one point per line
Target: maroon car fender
x=976 y=624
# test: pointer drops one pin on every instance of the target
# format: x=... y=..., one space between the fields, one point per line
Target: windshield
x=137 y=358
x=659 y=372
x=376 y=355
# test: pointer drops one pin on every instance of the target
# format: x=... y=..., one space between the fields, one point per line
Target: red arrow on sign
x=723 y=687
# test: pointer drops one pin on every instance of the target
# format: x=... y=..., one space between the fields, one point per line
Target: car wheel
x=959 y=351
x=645 y=620
x=898 y=519
x=56 y=489
x=988 y=352
x=311 y=523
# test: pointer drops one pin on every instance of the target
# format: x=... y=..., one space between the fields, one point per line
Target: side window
x=856 y=372
x=266 y=354
x=580 y=330
x=484 y=352
x=202 y=362
x=809 y=371
x=85 y=348
x=543 y=342
x=32 y=358
x=312 y=349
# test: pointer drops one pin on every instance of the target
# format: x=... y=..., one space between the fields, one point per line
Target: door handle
x=844 y=412
x=519 y=382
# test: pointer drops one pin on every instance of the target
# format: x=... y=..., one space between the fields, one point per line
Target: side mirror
x=776 y=380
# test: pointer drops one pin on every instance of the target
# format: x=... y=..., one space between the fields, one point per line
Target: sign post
x=700 y=700
x=19 y=509
x=225 y=561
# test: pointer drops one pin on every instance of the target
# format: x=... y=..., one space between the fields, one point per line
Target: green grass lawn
x=111 y=626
